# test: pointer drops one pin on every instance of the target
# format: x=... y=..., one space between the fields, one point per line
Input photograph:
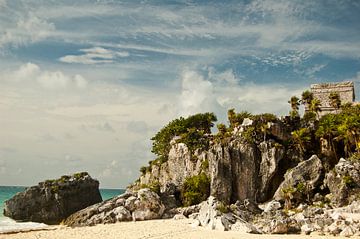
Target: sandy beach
x=144 y=229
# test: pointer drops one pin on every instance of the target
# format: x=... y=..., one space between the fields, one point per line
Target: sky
x=84 y=85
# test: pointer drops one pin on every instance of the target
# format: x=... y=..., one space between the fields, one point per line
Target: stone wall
x=322 y=92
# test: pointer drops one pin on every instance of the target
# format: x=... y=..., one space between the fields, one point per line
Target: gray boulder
x=52 y=201
x=142 y=205
x=301 y=181
x=344 y=182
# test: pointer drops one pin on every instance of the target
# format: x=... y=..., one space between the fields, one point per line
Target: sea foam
x=9 y=225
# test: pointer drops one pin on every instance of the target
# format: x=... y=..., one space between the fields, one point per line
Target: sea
x=8 y=225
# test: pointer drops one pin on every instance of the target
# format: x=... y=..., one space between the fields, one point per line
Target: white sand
x=146 y=229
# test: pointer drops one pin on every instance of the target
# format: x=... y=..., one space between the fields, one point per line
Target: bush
x=195 y=189
x=193 y=126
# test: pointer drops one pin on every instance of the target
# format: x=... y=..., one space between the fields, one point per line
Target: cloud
x=196 y=93
x=219 y=91
x=27 y=30
x=94 y=55
x=52 y=80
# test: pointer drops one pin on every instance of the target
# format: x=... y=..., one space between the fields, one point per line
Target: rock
x=244 y=228
x=237 y=170
x=343 y=182
x=307 y=228
x=190 y=210
x=279 y=227
x=121 y=214
x=141 y=205
x=272 y=206
x=348 y=231
x=301 y=180
x=247 y=122
x=179 y=217
x=52 y=201
x=210 y=217
x=147 y=206
x=271 y=155
x=220 y=169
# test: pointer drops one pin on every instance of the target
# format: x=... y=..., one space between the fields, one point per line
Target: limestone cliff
x=237 y=169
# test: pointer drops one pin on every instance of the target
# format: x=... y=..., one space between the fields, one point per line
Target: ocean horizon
x=7 y=192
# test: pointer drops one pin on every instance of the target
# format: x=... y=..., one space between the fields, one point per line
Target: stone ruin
x=322 y=92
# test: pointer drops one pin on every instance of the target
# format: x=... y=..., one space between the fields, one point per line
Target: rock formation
x=137 y=206
x=344 y=182
x=52 y=201
x=238 y=170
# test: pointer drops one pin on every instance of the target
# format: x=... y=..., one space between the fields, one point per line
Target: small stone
x=179 y=217
x=347 y=232
x=307 y=229
x=272 y=206
x=196 y=223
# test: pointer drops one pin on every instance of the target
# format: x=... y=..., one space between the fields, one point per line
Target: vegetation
x=195 y=189
x=191 y=131
x=294 y=104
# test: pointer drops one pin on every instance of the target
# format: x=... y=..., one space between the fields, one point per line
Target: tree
x=335 y=101
x=236 y=119
x=307 y=97
x=314 y=106
x=294 y=104
x=328 y=130
x=300 y=138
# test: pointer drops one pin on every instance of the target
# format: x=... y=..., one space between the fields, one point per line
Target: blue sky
x=85 y=84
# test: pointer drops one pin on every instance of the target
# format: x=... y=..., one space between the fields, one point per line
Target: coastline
x=162 y=228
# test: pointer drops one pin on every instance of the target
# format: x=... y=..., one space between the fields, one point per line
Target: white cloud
x=27 y=30
x=53 y=80
x=218 y=94
x=94 y=55
x=196 y=93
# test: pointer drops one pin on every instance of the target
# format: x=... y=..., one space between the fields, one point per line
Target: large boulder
x=344 y=182
x=301 y=181
x=52 y=201
x=142 y=205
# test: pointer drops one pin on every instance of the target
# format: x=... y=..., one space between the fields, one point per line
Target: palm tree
x=307 y=97
x=300 y=139
x=328 y=130
x=335 y=101
x=315 y=106
x=294 y=104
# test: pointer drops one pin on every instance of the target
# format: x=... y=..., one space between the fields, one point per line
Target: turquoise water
x=6 y=192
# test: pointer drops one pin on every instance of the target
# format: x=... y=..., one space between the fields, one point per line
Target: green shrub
x=349 y=181
x=193 y=126
x=195 y=189
x=205 y=165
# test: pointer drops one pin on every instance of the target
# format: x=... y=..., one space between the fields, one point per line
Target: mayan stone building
x=322 y=92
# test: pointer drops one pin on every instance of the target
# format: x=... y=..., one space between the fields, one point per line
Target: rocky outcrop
x=301 y=182
x=53 y=200
x=181 y=164
x=344 y=182
x=137 y=206
x=237 y=169
x=311 y=220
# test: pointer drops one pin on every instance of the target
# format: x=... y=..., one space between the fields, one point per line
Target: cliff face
x=237 y=169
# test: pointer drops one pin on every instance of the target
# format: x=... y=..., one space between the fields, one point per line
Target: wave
x=8 y=225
